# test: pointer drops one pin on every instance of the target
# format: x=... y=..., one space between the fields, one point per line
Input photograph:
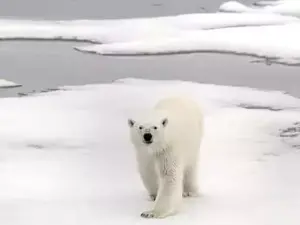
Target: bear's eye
x=140 y=127
x=155 y=127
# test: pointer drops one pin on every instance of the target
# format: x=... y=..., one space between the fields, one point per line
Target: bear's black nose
x=147 y=137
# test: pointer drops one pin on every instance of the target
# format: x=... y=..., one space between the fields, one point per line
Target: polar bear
x=167 y=142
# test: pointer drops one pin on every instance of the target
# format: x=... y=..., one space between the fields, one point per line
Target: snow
x=279 y=43
x=66 y=157
x=8 y=84
x=123 y=30
x=270 y=2
x=288 y=7
x=256 y=32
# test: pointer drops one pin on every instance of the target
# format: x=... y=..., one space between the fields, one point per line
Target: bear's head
x=148 y=133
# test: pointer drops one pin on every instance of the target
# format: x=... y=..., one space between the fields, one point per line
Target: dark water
x=78 y=9
x=46 y=64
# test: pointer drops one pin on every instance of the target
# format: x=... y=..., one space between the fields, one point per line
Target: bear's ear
x=131 y=122
x=164 y=122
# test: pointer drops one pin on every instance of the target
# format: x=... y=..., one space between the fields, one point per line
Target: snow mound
x=233 y=6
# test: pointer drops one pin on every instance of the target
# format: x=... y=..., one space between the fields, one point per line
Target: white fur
x=168 y=166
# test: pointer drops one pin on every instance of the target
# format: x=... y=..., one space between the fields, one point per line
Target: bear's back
x=180 y=108
x=185 y=117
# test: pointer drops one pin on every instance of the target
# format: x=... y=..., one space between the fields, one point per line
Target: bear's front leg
x=169 y=194
x=191 y=182
x=149 y=176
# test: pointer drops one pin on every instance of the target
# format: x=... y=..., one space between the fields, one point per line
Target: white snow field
x=267 y=35
x=8 y=84
x=66 y=158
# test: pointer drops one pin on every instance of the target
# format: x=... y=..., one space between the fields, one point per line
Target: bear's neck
x=162 y=150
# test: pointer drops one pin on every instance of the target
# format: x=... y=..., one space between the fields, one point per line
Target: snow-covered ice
x=287 y=7
x=66 y=157
x=272 y=2
x=124 y=30
x=263 y=34
x=8 y=84
x=279 y=43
